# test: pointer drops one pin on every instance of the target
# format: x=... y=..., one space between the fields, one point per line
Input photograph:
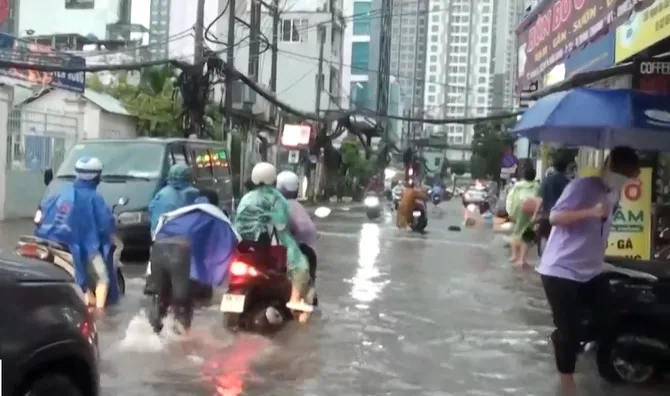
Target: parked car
x=49 y=343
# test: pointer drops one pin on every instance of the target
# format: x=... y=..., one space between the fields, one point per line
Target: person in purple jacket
x=301 y=225
x=571 y=264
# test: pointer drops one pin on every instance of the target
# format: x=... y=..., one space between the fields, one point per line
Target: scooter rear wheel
x=612 y=368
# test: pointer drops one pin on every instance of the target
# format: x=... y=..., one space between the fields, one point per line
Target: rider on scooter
x=264 y=211
x=78 y=217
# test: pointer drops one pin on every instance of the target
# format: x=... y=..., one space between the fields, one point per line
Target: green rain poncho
x=262 y=209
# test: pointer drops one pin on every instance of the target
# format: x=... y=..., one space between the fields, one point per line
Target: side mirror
x=123 y=201
x=48 y=176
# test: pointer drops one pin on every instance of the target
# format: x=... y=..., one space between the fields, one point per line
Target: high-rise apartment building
x=359 y=32
x=171 y=27
x=508 y=15
x=459 y=64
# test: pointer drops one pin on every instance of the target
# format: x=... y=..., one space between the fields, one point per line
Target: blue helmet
x=88 y=168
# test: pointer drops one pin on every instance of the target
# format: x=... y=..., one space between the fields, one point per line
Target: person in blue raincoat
x=78 y=217
x=436 y=192
x=193 y=243
x=178 y=193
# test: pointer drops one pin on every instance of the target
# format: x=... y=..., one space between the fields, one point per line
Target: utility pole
x=275 y=42
x=195 y=115
x=319 y=76
x=199 y=40
x=230 y=62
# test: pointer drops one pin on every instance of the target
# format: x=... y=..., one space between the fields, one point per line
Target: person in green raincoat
x=523 y=223
x=264 y=208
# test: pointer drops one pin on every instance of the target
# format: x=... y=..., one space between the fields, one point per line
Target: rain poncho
x=262 y=209
x=436 y=191
x=211 y=234
x=521 y=191
x=301 y=225
x=78 y=217
x=178 y=193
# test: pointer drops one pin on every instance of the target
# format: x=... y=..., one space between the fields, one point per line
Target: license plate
x=232 y=303
x=416 y=213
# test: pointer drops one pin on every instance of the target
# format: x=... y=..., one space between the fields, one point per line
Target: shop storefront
x=572 y=37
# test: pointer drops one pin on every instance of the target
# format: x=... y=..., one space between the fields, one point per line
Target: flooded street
x=401 y=314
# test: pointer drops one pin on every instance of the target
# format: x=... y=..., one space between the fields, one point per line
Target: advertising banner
x=596 y=56
x=648 y=25
x=14 y=50
x=558 y=29
x=630 y=236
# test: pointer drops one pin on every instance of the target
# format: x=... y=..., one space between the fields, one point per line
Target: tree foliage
x=490 y=140
x=150 y=100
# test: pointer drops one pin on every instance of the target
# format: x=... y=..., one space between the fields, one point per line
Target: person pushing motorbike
x=78 y=217
x=264 y=211
x=193 y=243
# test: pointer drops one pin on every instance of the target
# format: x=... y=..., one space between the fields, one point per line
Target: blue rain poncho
x=262 y=209
x=178 y=193
x=78 y=217
x=212 y=236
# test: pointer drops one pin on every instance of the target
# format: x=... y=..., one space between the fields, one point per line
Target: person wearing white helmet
x=264 y=211
x=78 y=217
x=301 y=225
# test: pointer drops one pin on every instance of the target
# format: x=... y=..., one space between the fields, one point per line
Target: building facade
x=298 y=55
x=508 y=15
x=98 y=18
x=171 y=27
x=459 y=65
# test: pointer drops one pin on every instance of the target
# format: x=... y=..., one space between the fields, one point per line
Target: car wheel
x=53 y=384
x=613 y=368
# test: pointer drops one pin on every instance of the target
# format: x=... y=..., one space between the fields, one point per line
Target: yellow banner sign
x=642 y=30
x=631 y=225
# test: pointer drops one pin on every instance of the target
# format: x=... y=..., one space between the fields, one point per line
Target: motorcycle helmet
x=88 y=168
x=288 y=184
x=263 y=174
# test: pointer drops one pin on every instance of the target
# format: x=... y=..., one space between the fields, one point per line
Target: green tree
x=150 y=100
x=458 y=168
x=489 y=141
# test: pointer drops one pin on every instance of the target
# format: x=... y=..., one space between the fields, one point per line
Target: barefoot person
x=523 y=190
x=571 y=264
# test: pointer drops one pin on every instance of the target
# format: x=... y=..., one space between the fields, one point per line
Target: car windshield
x=131 y=159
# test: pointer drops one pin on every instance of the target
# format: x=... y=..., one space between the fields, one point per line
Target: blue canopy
x=213 y=240
x=600 y=118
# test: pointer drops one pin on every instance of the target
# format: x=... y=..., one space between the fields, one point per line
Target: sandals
x=301 y=306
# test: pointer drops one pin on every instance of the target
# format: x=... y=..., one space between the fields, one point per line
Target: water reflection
x=364 y=288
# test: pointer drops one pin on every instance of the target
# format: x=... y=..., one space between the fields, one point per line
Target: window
x=431 y=88
x=362 y=17
x=79 y=4
x=177 y=155
x=431 y=98
x=293 y=30
x=433 y=69
x=359 y=93
x=360 y=53
x=434 y=28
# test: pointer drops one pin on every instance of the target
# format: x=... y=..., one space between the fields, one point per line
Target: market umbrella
x=599 y=118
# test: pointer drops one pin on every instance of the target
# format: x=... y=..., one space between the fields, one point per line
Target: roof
x=106 y=102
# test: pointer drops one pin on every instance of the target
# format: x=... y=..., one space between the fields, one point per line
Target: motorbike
x=259 y=288
x=58 y=254
x=419 y=218
x=373 y=208
x=637 y=349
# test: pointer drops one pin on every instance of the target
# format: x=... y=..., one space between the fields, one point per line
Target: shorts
x=97 y=270
x=300 y=280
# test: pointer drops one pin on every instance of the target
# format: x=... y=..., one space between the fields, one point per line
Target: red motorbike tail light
x=32 y=250
x=240 y=268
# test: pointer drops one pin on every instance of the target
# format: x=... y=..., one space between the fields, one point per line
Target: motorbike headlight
x=371 y=201
x=38 y=216
x=416 y=213
x=129 y=218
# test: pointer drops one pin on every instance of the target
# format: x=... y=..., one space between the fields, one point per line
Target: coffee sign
x=557 y=30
